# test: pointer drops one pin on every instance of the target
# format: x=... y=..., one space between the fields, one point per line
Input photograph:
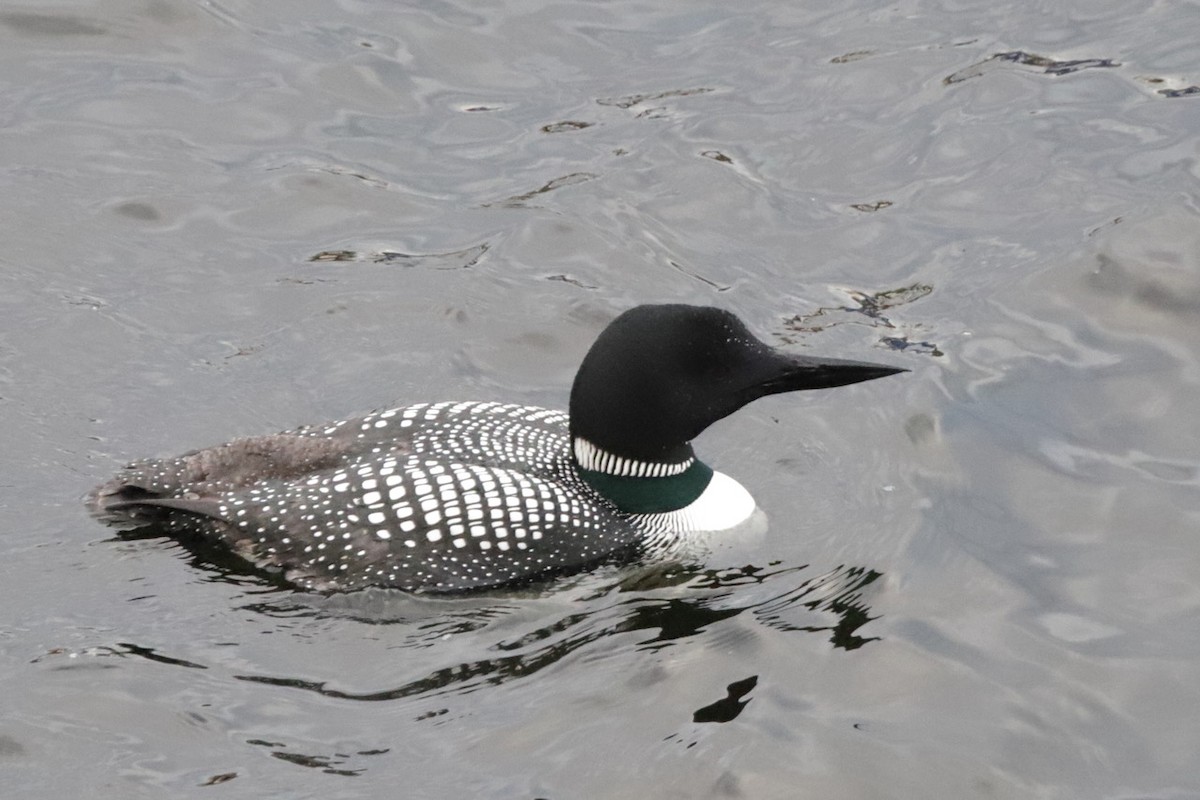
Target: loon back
x=450 y=497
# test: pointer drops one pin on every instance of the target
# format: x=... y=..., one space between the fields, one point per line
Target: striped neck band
x=590 y=457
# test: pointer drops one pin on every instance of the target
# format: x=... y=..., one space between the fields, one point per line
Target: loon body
x=455 y=496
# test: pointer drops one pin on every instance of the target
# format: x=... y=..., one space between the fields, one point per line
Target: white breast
x=724 y=519
x=724 y=504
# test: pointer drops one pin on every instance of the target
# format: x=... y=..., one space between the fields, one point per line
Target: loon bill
x=456 y=496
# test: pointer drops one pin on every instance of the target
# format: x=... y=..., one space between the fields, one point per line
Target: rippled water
x=979 y=580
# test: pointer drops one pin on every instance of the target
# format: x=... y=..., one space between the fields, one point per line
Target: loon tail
x=125 y=504
x=152 y=492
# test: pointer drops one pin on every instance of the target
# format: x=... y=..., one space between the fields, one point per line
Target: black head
x=658 y=375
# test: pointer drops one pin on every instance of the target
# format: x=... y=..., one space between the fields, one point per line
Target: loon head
x=658 y=375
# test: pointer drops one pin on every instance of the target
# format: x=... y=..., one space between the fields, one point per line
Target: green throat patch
x=641 y=495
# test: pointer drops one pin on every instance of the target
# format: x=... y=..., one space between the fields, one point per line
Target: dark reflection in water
x=333 y=764
x=727 y=708
x=870 y=310
x=120 y=650
x=711 y=599
x=660 y=604
x=31 y=24
x=149 y=654
x=521 y=200
x=1152 y=289
x=1031 y=61
x=215 y=563
x=454 y=259
x=848 y=607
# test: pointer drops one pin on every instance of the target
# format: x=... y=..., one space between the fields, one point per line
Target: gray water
x=980 y=579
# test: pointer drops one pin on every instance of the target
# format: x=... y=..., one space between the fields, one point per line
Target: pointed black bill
x=794 y=373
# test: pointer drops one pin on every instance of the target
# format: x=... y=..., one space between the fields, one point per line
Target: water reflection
x=518 y=634
x=870 y=311
x=729 y=707
x=332 y=764
x=1035 y=63
x=831 y=603
x=1156 y=290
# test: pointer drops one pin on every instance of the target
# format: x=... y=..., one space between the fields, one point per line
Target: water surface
x=979 y=579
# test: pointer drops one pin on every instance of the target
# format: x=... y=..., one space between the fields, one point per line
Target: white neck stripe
x=591 y=457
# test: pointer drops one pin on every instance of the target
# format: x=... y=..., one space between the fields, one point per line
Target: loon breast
x=723 y=505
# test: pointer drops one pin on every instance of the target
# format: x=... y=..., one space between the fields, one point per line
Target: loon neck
x=641 y=487
x=596 y=459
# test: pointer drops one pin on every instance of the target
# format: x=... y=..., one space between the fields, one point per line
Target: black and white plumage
x=454 y=496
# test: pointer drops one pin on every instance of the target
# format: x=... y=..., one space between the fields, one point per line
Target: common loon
x=455 y=496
